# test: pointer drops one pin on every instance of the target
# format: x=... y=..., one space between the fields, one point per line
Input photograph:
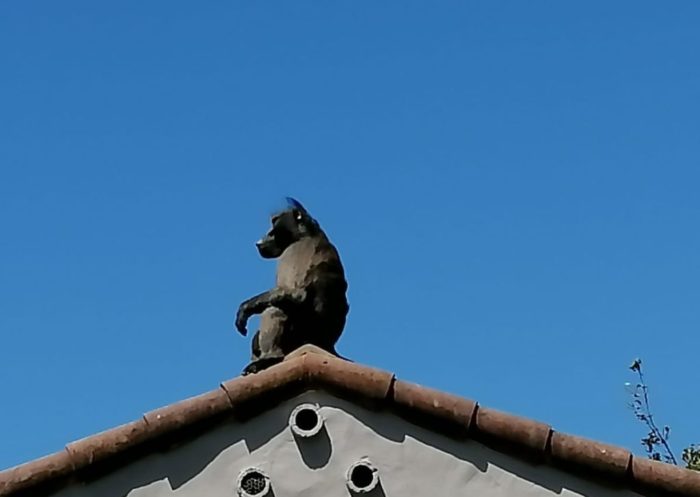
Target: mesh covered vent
x=253 y=483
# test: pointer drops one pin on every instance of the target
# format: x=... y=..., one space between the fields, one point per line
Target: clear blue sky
x=513 y=187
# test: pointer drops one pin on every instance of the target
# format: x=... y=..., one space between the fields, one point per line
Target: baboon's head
x=288 y=226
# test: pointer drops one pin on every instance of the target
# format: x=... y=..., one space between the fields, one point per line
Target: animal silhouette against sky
x=308 y=304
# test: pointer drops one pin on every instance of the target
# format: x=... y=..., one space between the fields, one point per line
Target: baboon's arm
x=283 y=298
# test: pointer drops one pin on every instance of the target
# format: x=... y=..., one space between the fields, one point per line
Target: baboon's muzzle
x=267 y=248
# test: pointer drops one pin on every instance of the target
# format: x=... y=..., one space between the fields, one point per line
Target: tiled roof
x=309 y=368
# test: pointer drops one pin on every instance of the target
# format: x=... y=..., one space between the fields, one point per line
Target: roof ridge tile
x=97 y=448
x=348 y=378
x=655 y=475
x=604 y=459
x=500 y=429
x=428 y=406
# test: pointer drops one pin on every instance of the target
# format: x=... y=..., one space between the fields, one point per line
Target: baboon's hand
x=242 y=319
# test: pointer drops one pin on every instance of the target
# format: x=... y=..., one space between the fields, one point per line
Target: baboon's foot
x=259 y=364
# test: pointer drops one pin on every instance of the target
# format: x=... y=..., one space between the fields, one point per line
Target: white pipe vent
x=305 y=420
x=362 y=477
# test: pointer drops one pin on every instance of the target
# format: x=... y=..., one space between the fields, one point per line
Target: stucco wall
x=411 y=461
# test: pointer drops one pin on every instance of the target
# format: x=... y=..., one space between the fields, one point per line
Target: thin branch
x=648 y=418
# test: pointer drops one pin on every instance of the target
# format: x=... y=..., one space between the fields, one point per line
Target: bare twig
x=656 y=437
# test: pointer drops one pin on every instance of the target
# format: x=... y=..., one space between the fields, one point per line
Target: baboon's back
x=313 y=264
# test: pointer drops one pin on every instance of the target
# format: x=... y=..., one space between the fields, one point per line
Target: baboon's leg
x=255 y=346
x=269 y=340
x=260 y=364
x=274 y=324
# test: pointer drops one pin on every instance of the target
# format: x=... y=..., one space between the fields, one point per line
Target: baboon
x=308 y=304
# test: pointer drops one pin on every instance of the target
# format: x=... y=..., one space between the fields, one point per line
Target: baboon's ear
x=295 y=204
x=299 y=210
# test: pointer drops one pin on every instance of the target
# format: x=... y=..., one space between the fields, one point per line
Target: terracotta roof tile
x=188 y=412
x=310 y=368
x=648 y=474
x=253 y=393
x=507 y=431
x=434 y=408
x=345 y=378
x=606 y=459
x=100 y=447
x=56 y=467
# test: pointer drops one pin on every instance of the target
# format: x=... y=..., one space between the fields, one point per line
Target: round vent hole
x=307 y=419
x=362 y=476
